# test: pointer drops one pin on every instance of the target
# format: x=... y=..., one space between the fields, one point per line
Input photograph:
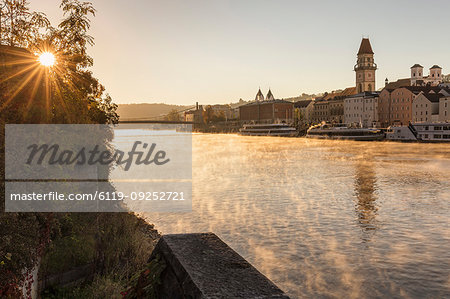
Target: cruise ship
x=422 y=132
x=343 y=132
x=268 y=130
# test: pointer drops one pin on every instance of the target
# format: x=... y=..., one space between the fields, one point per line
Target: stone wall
x=203 y=266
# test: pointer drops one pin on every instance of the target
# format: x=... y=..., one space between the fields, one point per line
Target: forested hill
x=154 y=111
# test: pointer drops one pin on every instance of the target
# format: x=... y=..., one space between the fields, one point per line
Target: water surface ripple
x=326 y=219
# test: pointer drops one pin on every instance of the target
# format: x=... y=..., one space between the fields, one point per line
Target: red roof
x=365 y=47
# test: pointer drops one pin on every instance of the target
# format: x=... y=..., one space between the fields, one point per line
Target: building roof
x=425 y=89
x=265 y=102
x=433 y=97
x=366 y=94
x=365 y=47
x=417 y=65
x=342 y=94
x=302 y=104
x=397 y=84
x=435 y=67
x=259 y=96
x=269 y=96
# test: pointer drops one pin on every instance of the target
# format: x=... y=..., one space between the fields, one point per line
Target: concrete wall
x=203 y=266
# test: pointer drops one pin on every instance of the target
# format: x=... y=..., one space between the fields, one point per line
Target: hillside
x=146 y=111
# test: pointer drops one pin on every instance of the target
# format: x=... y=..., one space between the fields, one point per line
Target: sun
x=47 y=59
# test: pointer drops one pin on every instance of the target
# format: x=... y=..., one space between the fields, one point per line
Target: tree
x=18 y=26
x=208 y=114
x=173 y=115
x=74 y=95
x=31 y=93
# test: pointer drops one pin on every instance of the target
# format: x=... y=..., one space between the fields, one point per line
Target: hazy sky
x=213 y=51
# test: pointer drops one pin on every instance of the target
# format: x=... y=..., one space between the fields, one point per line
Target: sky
x=218 y=51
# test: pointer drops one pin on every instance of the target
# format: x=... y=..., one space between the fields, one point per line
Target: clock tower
x=365 y=68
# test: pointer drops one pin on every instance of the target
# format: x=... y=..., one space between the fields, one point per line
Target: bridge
x=151 y=121
x=160 y=119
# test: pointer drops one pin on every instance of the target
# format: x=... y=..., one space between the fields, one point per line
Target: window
x=437 y=136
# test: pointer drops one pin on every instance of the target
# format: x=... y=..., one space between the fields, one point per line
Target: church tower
x=259 y=96
x=269 y=96
x=365 y=68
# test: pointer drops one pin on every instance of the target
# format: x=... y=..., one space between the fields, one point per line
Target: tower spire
x=365 y=67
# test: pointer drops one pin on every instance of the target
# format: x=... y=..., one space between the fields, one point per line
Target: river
x=324 y=218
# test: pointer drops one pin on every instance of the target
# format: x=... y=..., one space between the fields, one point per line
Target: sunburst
x=47 y=59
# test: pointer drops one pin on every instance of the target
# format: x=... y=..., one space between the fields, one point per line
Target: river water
x=324 y=218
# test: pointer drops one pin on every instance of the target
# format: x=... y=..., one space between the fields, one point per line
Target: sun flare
x=47 y=59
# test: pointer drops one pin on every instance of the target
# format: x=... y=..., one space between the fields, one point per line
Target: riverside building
x=267 y=110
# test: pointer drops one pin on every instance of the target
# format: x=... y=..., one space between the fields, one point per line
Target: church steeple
x=269 y=96
x=365 y=67
x=259 y=96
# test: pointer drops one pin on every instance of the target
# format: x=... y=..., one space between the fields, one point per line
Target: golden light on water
x=47 y=59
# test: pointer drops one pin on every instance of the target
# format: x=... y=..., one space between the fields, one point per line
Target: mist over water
x=322 y=218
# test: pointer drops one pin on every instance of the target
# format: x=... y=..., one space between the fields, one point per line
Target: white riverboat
x=325 y=131
x=268 y=130
x=422 y=132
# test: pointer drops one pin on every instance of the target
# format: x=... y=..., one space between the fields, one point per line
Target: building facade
x=444 y=109
x=268 y=110
x=336 y=110
x=195 y=115
x=418 y=79
x=320 y=111
x=304 y=111
x=425 y=107
x=362 y=109
x=395 y=107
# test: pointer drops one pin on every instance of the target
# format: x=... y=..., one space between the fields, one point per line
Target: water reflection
x=303 y=212
x=365 y=187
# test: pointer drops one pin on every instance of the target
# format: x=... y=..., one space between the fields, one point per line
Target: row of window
x=359 y=100
x=358 y=108
x=438 y=128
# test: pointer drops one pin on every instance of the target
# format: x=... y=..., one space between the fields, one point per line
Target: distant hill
x=147 y=111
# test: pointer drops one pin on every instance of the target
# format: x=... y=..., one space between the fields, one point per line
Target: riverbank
x=106 y=250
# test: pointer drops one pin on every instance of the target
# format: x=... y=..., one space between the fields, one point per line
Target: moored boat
x=268 y=130
x=422 y=132
x=343 y=132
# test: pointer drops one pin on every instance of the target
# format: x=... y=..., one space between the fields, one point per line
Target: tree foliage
x=173 y=115
x=18 y=26
x=73 y=94
x=30 y=93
